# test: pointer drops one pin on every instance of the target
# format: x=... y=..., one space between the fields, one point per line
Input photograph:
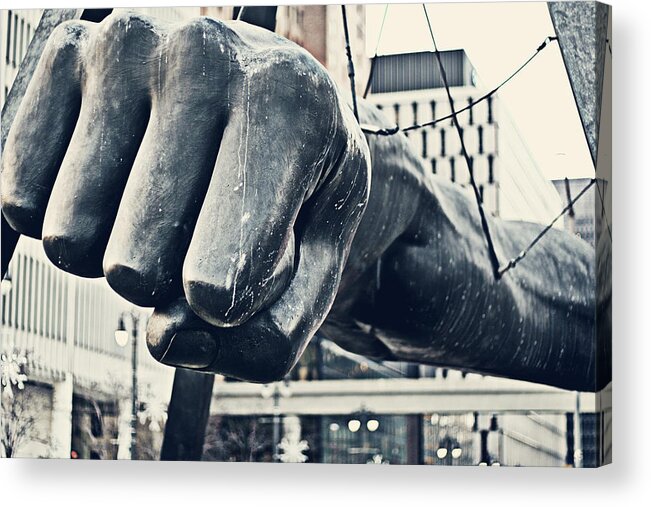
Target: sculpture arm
x=419 y=285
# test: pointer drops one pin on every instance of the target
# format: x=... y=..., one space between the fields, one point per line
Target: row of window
x=44 y=301
x=38 y=299
x=19 y=34
x=468 y=116
x=477 y=140
x=452 y=167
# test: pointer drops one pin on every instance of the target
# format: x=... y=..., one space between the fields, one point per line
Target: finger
x=267 y=346
x=172 y=169
x=270 y=160
x=42 y=129
x=113 y=118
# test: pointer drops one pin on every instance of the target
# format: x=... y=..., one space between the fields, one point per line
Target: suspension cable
x=484 y=222
x=513 y=262
x=351 y=66
x=371 y=71
x=498 y=271
x=369 y=129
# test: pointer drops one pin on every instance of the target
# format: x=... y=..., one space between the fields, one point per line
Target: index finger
x=42 y=128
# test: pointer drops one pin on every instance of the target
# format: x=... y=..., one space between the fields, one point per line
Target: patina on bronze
x=213 y=170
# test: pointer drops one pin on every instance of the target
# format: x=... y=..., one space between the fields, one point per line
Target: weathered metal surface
x=187 y=416
x=50 y=19
x=582 y=30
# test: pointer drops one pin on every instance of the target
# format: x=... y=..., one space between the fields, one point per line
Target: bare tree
x=16 y=421
x=237 y=439
x=16 y=418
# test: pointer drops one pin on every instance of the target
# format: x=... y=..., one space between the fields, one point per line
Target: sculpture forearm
x=436 y=300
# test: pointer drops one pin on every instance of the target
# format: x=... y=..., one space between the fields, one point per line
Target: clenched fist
x=207 y=162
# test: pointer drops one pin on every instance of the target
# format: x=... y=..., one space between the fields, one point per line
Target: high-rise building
x=580 y=220
x=409 y=88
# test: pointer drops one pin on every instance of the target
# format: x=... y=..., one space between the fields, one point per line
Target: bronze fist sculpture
x=213 y=171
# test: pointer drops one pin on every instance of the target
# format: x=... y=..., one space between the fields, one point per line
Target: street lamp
x=6 y=284
x=354 y=425
x=372 y=425
x=122 y=339
x=449 y=450
x=276 y=391
x=360 y=420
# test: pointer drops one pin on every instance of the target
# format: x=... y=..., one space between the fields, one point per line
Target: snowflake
x=155 y=411
x=292 y=450
x=11 y=373
x=377 y=459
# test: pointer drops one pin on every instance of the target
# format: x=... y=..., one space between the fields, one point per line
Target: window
x=490 y=109
x=491 y=170
x=452 y=111
x=13 y=51
x=10 y=297
x=470 y=116
x=442 y=142
x=424 y=135
x=46 y=302
x=461 y=139
x=480 y=135
x=28 y=289
x=8 y=51
x=21 y=46
x=24 y=284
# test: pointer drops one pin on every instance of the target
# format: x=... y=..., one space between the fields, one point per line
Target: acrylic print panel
x=335 y=234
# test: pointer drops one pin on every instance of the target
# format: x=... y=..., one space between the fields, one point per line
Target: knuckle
x=123 y=35
x=140 y=285
x=267 y=356
x=65 y=42
x=200 y=34
x=125 y=21
x=293 y=65
x=219 y=304
x=72 y=253
x=196 y=55
x=22 y=214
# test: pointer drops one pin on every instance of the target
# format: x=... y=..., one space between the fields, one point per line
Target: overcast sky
x=498 y=38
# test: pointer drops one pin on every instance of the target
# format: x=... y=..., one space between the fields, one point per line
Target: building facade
x=580 y=219
x=409 y=88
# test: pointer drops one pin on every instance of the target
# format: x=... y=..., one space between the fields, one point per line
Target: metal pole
x=351 y=66
x=188 y=415
x=578 y=444
x=276 y=424
x=134 y=383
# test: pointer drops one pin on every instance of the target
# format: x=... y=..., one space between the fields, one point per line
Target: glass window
x=13 y=52
x=8 y=49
